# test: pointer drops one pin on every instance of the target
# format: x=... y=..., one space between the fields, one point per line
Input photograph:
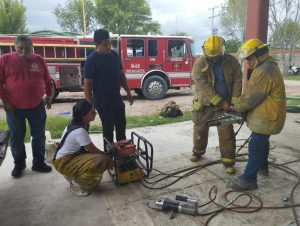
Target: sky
x=190 y=16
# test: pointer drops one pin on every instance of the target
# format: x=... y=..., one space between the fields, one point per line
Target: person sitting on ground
x=77 y=158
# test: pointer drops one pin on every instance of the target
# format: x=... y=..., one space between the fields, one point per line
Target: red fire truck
x=152 y=64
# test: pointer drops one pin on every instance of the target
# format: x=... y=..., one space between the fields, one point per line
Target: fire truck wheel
x=139 y=92
x=155 y=87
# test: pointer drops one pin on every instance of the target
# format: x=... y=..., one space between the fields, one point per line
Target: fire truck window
x=114 y=44
x=152 y=48
x=193 y=49
x=177 y=48
x=135 y=48
x=51 y=69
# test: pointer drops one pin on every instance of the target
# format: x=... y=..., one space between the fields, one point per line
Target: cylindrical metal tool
x=188 y=199
x=168 y=205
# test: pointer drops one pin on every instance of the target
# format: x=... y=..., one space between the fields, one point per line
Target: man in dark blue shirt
x=220 y=83
x=103 y=76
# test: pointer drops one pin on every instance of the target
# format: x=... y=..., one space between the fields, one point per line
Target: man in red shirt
x=24 y=80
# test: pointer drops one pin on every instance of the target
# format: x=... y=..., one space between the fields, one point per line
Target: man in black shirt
x=103 y=75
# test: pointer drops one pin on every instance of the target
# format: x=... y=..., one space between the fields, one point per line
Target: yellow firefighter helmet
x=249 y=47
x=214 y=46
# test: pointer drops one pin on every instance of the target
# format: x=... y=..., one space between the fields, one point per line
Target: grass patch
x=3 y=125
x=292 y=77
x=155 y=120
x=56 y=124
x=293 y=100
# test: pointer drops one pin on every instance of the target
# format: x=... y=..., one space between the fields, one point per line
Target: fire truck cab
x=154 y=64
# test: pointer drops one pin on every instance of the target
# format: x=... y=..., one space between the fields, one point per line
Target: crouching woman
x=77 y=158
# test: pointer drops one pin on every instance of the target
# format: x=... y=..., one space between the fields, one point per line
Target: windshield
x=193 y=49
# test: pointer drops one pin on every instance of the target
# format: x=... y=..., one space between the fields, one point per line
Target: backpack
x=171 y=110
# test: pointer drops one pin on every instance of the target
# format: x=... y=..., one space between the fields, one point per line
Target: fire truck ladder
x=59 y=52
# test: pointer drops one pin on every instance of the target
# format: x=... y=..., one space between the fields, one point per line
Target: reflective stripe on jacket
x=264 y=99
x=203 y=77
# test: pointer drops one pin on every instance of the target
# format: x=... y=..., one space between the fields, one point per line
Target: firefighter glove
x=197 y=104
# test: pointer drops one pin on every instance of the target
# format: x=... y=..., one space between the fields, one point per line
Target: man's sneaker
x=194 y=157
x=229 y=170
x=43 y=167
x=78 y=191
x=17 y=171
x=264 y=172
x=240 y=183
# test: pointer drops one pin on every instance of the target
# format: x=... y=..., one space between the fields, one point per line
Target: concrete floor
x=43 y=199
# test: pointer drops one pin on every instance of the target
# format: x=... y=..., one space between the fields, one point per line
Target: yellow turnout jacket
x=264 y=99
x=203 y=77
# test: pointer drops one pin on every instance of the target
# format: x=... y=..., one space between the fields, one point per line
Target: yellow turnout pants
x=225 y=132
x=86 y=169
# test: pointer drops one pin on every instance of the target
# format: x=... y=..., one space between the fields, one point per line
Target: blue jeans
x=257 y=156
x=17 y=124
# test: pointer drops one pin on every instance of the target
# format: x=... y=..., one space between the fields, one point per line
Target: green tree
x=232 y=45
x=70 y=16
x=126 y=16
x=233 y=19
x=285 y=28
x=286 y=35
x=12 y=17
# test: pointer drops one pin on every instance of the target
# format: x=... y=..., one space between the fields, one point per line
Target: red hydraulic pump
x=132 y=159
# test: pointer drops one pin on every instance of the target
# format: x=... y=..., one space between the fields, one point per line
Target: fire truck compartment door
x=70 y=76
x=177 y=56
x=156 y=54
x=178 y=62
x=133 y=57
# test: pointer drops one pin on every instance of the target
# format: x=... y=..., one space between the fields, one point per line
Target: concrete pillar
x=257 y=23
x=257 y=19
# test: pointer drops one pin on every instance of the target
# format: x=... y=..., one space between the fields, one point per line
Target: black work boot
x=17 y=171
x=42 y=167
x=263 y=172
x=240 y=183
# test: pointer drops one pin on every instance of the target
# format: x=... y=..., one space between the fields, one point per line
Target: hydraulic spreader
x=132 y=159
x=226 y=119
x=181 y=204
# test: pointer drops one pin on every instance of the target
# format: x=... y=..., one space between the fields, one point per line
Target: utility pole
x=176 y=25
x=84 y=19
x=213 y=30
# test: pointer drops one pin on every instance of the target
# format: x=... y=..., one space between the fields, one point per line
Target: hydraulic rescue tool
x=4 y=138
x=132 y=159
x=181 y=204
x=227 y=118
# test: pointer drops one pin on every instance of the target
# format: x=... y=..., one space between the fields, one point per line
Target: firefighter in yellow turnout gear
x=218 y=80
x=264 y=101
